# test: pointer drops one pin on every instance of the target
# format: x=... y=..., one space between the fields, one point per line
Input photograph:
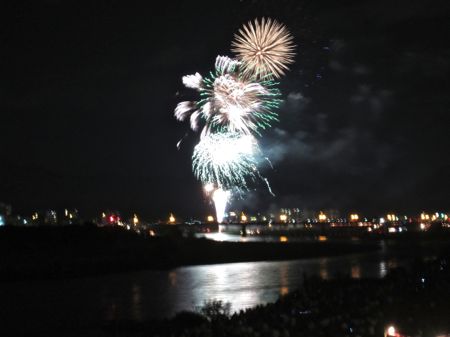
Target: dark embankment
x=55 y=252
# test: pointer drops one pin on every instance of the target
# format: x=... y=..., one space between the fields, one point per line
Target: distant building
x=70 y=217
x=5 y=213
x=51 y=218
x=5 y=209
x=110 y=218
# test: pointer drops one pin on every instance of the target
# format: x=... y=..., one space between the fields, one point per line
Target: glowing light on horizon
x=243 y=217
x=322 y=217
x=390 y=331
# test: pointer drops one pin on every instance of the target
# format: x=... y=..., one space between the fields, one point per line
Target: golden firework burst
x=264 y=47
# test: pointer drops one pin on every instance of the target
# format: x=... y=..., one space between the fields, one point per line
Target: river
x=138 y=296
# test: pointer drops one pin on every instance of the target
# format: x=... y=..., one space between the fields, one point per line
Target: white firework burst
x=229 y=100
x=265 y=47
x=227 y=160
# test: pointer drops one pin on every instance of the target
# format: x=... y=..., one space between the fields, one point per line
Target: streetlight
x=322 y=217
x=390 y=331
x=354 y=217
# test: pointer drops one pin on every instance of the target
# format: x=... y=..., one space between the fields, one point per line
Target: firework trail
x=265 y=48
x=229 y=101
x=220 y=198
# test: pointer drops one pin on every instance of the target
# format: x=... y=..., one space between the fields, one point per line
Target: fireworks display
x=265 y=48
x=237 y=99
x=220 y=198
x=229 y=101
x=226 y=159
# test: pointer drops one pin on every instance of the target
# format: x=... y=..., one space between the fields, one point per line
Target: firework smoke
x=265 y=48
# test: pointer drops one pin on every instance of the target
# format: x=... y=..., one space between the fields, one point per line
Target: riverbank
x=414 y=303
x=76 y=251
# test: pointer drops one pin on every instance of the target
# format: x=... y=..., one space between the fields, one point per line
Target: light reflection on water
x=150 y=294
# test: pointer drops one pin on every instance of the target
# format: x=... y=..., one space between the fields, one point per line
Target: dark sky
x=87 y=91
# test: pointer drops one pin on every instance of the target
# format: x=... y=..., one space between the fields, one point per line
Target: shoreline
x=71 y=252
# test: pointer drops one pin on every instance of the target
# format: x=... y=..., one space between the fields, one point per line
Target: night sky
x=87 y=92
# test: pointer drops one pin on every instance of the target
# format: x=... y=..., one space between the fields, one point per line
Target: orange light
x=322 y=217
x=283 y=239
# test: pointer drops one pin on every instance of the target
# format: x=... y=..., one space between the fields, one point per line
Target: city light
x=210 y=218
x=135 y=220
x=283 y=217
x=322 y=217
x=424 y=216
x=392 y=217
x=171 y=219
x=390 y=331
x=354 y=217
x=243 y=218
